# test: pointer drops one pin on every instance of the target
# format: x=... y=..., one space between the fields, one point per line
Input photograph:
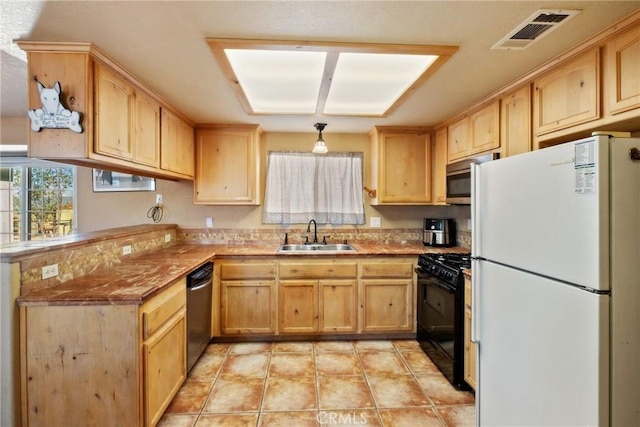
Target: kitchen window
x=303 y=186
x=37 y=200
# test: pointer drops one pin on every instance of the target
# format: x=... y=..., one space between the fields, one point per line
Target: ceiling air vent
x=534 y=28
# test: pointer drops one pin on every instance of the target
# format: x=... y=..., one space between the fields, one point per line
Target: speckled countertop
x=133 y=280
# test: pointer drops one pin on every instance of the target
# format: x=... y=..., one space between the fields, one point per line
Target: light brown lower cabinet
x=298 y=296
x=298 y=306
x=338 y=306
x=387 y=305
x=387 y=289
x=469 y=347
x=317 y=296
x=108 y=365
x=248 y=297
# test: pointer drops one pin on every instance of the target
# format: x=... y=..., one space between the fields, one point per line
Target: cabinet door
x=113 y=114
x=469 y=347
x=226 y=166
x=568 y=95
x=458 y=140
x=515 y=122
x=469 y=351
x=146 y=147
x=404 y=168
x=623 y=72
x=177 y=142
x=165 y=366
x=439 y=170
x=484 y=128
x=338 y=305
x=248 y=307
x=298 y=303
x=388 y=305
x=72 y=70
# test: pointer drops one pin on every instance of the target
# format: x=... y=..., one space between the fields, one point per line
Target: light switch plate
x=375 y=222
x=167 y=238
x=209 y=222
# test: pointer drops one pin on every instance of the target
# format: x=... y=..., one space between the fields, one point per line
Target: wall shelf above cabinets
x=121 y=118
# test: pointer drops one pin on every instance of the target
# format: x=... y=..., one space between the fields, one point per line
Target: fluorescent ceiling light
x=370 y=83
x=331 y=78
x=281 y=82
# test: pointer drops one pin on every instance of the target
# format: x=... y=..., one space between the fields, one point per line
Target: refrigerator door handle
x=475 y=208
x=475 y=306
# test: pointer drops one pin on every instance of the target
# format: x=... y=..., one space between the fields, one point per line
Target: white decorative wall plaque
x=53 y=115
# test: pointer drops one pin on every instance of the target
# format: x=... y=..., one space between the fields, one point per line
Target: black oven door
x=436 y=312
x=440 y=325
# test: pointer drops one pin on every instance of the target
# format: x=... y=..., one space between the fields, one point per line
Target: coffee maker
x=439 y=232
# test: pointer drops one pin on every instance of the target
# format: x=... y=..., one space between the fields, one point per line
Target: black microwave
x=459 y=179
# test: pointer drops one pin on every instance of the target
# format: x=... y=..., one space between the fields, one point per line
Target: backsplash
x=86 y=254
x=234 y=236
x=464 y=239
x=77 y=259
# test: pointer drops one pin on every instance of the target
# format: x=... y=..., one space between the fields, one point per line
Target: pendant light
x=320 y=147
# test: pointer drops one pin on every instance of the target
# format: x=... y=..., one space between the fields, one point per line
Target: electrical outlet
x=126 y=250
x=469 y=224
x=158 y=199
x=167 y=238
x=375 y=222
x=209 y=222
x=49 y=271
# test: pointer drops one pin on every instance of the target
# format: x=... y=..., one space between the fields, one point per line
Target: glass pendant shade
x=320 y=147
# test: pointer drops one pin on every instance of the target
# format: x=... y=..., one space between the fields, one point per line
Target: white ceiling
x=163 y=44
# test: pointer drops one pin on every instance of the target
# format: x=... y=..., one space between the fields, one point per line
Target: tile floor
x=322 y=383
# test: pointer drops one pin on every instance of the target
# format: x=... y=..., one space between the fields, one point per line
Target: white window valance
x=304 y=186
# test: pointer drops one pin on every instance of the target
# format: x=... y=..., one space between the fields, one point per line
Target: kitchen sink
x=317 y=248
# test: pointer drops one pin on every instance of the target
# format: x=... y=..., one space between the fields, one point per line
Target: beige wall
x=13 y=130
x=105 y=210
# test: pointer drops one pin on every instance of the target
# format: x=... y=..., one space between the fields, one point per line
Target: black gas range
x=440 y=311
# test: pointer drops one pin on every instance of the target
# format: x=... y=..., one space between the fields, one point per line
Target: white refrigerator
x=556 y=286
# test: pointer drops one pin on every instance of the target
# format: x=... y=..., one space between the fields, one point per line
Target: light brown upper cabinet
x=475 y=133
x=127 y=122
x=177 y=141
x=484 y=128
x=119 y=115
x=439 y=167
x=623 y=61
x=568 y=94
x=227 y=167
x=401 y=165
x=515 y=122
x=458 y=140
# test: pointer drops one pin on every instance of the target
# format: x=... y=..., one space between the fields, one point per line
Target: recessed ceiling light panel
x=370 y=83
x=279 y=81
x=333 y=78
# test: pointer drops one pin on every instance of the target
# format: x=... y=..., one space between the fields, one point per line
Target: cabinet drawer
x=162 y=307
x=395 y=269
x=247 y=271
x=317 y=271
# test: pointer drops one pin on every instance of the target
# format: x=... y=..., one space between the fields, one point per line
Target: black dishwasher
x=199 y=292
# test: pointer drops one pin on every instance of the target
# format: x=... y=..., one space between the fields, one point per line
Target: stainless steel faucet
x=315 y=230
